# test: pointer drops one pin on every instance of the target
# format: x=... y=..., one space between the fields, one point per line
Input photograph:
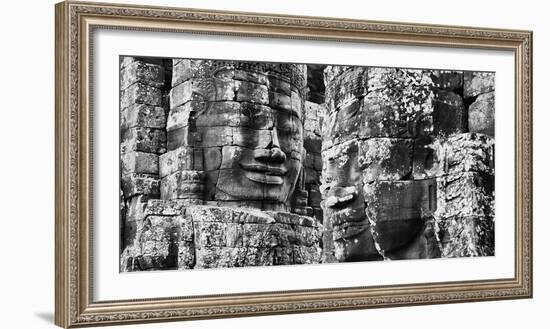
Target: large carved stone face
x=262 y=162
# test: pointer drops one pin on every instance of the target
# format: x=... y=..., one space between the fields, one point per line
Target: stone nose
x=270 y=155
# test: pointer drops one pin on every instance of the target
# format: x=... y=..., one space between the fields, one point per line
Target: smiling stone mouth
x=264 y=174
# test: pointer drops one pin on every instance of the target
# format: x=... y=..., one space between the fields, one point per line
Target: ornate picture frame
x=75 y=24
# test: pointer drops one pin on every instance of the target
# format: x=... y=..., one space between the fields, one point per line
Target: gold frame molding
x=74 y=23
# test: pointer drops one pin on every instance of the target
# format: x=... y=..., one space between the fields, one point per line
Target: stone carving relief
x=231 y=164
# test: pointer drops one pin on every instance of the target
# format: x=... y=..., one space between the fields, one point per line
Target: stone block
x=165 y=207
x=140 y=93
x=306 y=254
x=424 y=246
x=140 y=163
x=133 y=219
x=381 y=118
x=179 y=137
x=469 y=152
x=313 y=113
x=252 y=93
x=280 y=101
x=279 y=85
x=222 y=257
x=345 y=124
x=476 y=83
x=481 y=114
x=341 y=165
x=449 y=116
x=467 y=236
x=183 y=115
x=396 y=210
x=201 y=90
x=134 y=184
x=182 y=70
x=348 y=86
x=176 y=160
x=142 y=139
x=138 y=71
x=217 y=136
x=142 y=115
x=159 y=242
x=218 y=234
x=469 y=194
x=385 y=158
x=241 y=75
x=187 y=184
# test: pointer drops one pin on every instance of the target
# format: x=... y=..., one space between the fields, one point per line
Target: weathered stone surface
x=346 y=87
x=204 y=90
x=134 y=184
x=140 y=93
x=185 y=184
x=180 y=137
x=467 y=236
x=448 y=80
x=470 y=152
x=235 y=114
x=481 y=114
x=396 y=210
x=181 y=71
x=424 y=246
x=134 y=215
x=385 y=158
x=142 y=115
x=428 y=158
x=464 y=195
x=140 y=163
x=182 y=116
x=476 y=83
x=449 y=115
x=236 y=74
x=138 y=71
x=125 y=61
x=143 y=139
x=252 y=93
x=165 y=207
x=341 y=165
x=279 y=85
x=313 y=113
x=159 y=242
x=225 y=236
x=179 y=159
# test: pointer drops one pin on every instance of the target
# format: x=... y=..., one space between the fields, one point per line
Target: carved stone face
x=344 y=204
x=260 y=151
x=376 y=210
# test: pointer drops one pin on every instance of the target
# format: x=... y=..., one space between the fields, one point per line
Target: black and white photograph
x=228 y=163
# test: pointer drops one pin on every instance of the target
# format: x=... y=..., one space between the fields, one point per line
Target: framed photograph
x=217 y=164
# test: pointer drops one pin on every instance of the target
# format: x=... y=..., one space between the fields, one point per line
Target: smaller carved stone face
x=344 y=204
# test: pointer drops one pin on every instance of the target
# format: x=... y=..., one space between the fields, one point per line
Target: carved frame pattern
x=75 y=22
